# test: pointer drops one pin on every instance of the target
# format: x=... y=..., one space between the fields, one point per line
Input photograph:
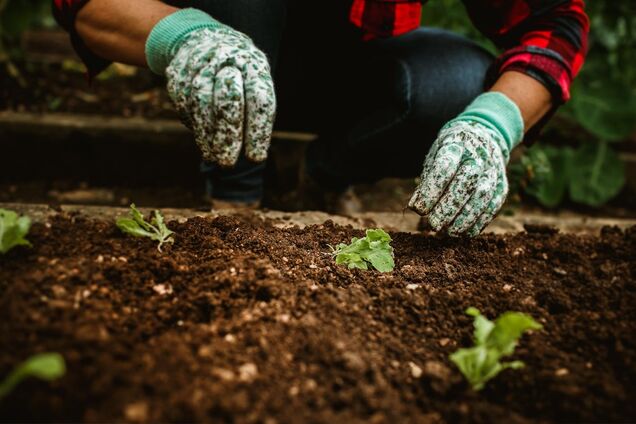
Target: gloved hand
x=464 y=184
x=220 y=83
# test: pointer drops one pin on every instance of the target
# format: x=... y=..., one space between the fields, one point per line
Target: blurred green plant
x=591 y=174
x=45 y=366
x=492 y=342
x=602 y=110
x=603 y=96
x=17 y=16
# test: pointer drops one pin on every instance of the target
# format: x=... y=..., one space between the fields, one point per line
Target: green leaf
x=597 y=174
x=352 y=260
x=508 y=329
x=374 y=249
x=605 y=108
x=136 y=226
x=20 y=15
x=551 y=167
x=132 y=227
x=45 y=366
x=378 y=236
x=483 y=326
x=13 y=229
x=381 y=259
x=472 y=311
x=481 y=362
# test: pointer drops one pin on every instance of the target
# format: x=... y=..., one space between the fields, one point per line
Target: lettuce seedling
x=373 y=249
x=136 y=226
x=493 y=340
x=45 y=366
x=13 y=228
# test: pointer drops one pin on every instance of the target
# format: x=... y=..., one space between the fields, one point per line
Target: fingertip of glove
x=474 y=232
x=256 y=157
x=435 y=221
x=417 y=204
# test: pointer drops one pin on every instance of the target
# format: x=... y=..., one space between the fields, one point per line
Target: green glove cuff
x=170 y=33
x=496 y=111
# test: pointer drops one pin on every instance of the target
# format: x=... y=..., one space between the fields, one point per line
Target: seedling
x=13 y=228
x=136 y=226
x=493 y=340
x=45 y=366
x=373 y=249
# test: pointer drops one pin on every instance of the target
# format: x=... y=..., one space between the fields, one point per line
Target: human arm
x=117 y=30
x=219 y=81
x=464 y=184
x=531 y=97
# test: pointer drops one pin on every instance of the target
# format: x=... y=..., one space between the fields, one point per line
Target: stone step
x=405 y=222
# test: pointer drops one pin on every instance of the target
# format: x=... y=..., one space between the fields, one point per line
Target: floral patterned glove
x=220 y=83
x=463 y=184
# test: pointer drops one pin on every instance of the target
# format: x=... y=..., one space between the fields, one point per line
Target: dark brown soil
x=241 y=322
x=52 y=88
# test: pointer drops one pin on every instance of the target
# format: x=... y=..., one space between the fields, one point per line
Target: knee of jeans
x=261 y=20
x=248 y=16
x=446 y=71
x=237 y=10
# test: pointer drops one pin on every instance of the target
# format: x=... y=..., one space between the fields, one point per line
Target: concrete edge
x=407 y=222
x=103 y=123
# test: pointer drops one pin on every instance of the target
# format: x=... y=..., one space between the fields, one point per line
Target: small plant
x=12 y=230
x=373 y=249
x=493 y=340
x=45 y=366
x=136 y=226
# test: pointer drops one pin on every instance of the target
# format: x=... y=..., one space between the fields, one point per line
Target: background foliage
x=576 y=157
x=17 y=16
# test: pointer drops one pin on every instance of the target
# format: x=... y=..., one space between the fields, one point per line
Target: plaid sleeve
x=546 y=40
x=65 y=12
x=385 y=18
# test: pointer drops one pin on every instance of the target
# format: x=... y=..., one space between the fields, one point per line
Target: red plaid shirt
x=546 y=39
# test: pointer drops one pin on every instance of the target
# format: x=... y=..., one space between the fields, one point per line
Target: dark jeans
x=377 y=106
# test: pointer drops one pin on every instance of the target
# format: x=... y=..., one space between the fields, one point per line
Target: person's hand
x=463 y=183
x=221 y=85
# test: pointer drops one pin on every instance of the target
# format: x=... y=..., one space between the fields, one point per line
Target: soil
x=51 y=87
x=389 y=195
x=240 y=321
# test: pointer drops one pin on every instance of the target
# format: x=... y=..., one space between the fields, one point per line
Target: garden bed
x=243 y=321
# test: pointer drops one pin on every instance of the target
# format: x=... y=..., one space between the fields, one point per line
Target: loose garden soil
x=50 y=88
x=240 y=321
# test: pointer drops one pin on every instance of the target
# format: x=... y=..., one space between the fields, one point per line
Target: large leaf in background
x=549 y=186
x=597 y=174
x=605 y=108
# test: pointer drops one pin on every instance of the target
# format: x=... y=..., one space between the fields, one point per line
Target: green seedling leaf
x=493 y=340
x=136 y=226
x=13 y=228
x=374 y=249
x=45 y=366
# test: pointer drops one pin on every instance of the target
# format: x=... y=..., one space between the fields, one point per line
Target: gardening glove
x=220 y=83
x=463 y=184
